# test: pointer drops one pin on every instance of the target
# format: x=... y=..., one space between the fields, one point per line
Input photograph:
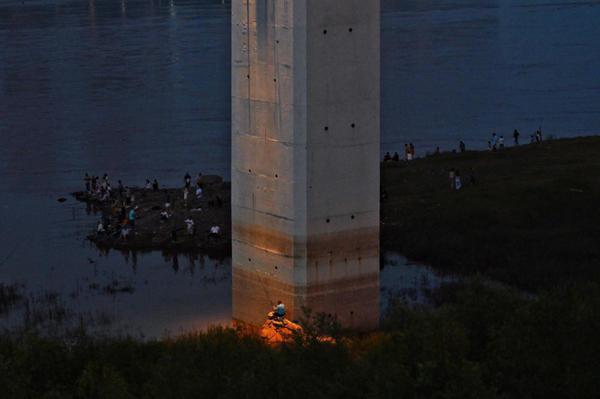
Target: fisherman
x=155 y=185
x=148 y=185
x=187 y=179
x=199 y=192
x=462 y=146
x=396 y=157
x=200 y=181
x=516 y=135
x=387 y=157
x=501 y=142
x=411 y=151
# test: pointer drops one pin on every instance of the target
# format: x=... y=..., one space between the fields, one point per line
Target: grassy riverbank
x=482 y=343
x=531 y=218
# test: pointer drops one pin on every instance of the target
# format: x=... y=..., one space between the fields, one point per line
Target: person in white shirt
x=189 y=222
x=215 y=232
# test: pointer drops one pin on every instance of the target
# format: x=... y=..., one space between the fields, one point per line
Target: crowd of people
x=121 y=221
x=495 y=143
x=409 y=154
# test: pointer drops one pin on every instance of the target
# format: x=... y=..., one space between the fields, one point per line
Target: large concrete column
x=305 y=158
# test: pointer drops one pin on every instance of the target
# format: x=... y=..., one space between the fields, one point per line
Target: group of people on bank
x=495 y=143
x=409 y=154
x=121 y=221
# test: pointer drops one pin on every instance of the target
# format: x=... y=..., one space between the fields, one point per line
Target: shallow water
x=140 y=89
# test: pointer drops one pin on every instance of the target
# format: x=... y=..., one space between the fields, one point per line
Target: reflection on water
x=411 y=282
x=140 y=89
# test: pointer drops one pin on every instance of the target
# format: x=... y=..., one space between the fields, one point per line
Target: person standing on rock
x=462 y=146
x=187 y=179
x=451 y=176
x=516 y=135
x=155 y=185
x=199 y=181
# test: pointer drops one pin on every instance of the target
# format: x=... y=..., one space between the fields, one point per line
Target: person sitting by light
x=279 y=310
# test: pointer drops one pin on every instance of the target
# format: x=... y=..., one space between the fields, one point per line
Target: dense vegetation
x=481 y=343
x=531 y=218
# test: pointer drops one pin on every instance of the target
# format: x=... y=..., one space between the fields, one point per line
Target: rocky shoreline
x=162 y=218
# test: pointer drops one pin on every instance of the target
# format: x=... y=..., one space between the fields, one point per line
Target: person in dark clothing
x=387 y=157
x=87 y=179
x=155 y=185
x=187 y=179
x=516 y=135
x=462 y=146
x=396 y=157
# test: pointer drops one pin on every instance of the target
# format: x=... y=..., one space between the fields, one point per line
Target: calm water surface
x=140 y=89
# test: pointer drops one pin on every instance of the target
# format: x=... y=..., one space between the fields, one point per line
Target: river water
x=140 y=89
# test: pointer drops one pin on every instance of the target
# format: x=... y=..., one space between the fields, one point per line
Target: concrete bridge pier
x=305 y=158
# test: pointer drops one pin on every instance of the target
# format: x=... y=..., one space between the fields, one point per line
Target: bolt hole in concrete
x=350 y=30
x=353 y=125
x=327 y=220
x=352 y=217
x=326 y=128
x=325 y=32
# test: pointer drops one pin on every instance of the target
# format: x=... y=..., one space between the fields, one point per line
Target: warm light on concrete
x=305 y=158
